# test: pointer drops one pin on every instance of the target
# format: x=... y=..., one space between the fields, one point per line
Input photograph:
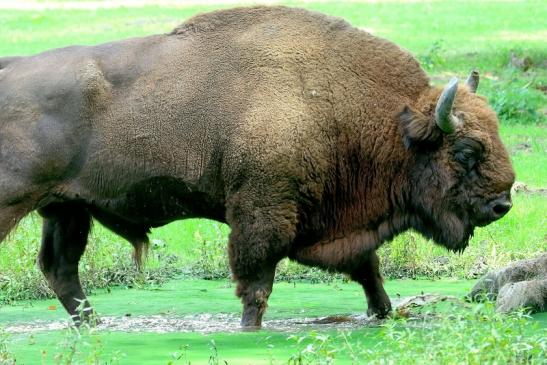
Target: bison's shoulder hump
x=244 y=17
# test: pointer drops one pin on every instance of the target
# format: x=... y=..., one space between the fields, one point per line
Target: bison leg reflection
x=64 y=237
x=368 y=275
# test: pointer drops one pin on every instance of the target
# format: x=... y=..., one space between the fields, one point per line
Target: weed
x=6 y=357
x=476 y=335
x=214 y=359
x=212 y=261
x=318 y=349
x=457 y=334
x=81 y=345
x=180 y=356
x=434 y=57
x=516 y=101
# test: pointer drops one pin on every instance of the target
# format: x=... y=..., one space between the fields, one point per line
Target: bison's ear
x=418 y=130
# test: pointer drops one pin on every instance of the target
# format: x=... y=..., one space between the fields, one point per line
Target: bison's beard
x=448 y=229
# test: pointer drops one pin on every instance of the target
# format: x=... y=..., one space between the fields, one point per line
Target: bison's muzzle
x=493 y=210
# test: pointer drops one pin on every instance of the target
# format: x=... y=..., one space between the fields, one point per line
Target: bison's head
x=461 y=174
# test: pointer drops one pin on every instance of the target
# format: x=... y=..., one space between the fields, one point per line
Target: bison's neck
x=364 y=196
x=364 y=203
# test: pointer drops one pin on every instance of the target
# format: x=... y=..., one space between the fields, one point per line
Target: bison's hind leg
x=64 y=237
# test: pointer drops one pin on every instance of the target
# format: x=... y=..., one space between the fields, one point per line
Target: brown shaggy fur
x=310 y=138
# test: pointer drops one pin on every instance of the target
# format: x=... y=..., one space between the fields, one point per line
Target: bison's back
x=233 y=93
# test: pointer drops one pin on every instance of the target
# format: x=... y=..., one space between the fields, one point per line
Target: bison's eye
x=468 y=152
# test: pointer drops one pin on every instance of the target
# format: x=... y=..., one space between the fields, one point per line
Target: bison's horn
x=473 y=81
x=443 y=111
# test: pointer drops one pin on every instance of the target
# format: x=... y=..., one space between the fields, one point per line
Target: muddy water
x=202 y=323
x=208 y=323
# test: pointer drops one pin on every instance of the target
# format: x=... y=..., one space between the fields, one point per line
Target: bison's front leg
x=254 y=293
x=260 y=237
x=368 y=275
x=64 y=237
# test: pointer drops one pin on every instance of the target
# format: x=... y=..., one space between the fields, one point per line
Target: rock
x=520 y=187
x=523 y=63
x=520 y=284
x=531 y=294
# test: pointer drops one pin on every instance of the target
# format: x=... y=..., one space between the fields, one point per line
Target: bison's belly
x=160 y=200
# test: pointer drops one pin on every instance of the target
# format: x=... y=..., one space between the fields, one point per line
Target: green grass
x=528 y=148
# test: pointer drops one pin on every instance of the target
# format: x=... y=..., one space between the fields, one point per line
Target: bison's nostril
x=501 y=208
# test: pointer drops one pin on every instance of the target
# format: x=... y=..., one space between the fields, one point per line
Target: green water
x=188 y=297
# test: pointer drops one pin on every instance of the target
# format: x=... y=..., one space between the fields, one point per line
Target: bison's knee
x=260 y=237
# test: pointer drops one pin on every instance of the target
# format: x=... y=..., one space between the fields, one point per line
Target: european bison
x=312 y=139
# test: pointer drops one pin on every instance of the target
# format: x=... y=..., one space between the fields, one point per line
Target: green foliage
x=82 y=345
x=318 y=350
x=434 y=57
x=107 y=262
x=212 y=259
x=471 y=336
x=527 y=145
x=6 y=357
x=292 y=271
x=516 y=101
x=456 y=334
x=180 y=357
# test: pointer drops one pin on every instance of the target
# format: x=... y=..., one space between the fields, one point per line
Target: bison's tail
x=140 y=252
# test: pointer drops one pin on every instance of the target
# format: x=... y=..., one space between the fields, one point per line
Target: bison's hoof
x=379 y=312
x=250 y=328
x=251 y=323
x=90 y=320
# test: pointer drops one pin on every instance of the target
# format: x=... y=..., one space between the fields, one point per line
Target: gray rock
x=520 y=284
x=531 y=294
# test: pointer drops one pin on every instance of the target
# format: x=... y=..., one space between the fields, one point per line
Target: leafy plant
x=212 y=259
x=82 y=345
x=453 y=334
x=476 y=335
x=517 y=103
x=6 y=357
x=317 y=350
x=434 y=57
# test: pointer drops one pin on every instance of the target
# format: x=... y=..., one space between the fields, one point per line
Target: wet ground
x=202 y=323
x=224 y=322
